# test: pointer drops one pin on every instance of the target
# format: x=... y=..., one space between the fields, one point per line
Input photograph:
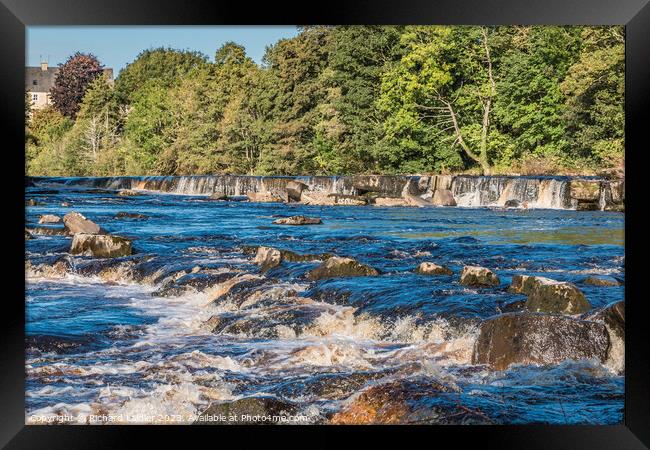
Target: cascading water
x=468 y=191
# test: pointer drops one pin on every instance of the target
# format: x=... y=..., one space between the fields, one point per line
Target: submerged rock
x=335 y=267
x=601 y=280
x=429 y=268
x=33 y=202
x=65 y=204
x=264 y=197
x=443 y=197
x=76 y=223
x=27 y=235
x=268 y=257
x=550 y=296
x=478 y=276
x=100 y=245
x=49 y=218
x=294 y=190
x=251 y=411
x=408 y=401
x=128 y=193
x=47 y=231
x=528 y=338
x=298 y=220
x=128 y=215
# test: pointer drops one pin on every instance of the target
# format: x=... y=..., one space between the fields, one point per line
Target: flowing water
x=138 y=339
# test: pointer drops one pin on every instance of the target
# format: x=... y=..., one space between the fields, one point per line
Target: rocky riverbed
x=291 y=307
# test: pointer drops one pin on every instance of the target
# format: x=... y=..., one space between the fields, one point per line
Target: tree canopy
x=346 y=100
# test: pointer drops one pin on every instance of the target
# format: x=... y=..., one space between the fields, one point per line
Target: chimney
x=44 y=66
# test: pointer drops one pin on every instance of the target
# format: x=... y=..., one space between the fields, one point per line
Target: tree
x=71 y=82
x=530 y=106
x=350 y=124
x=595 y=96
x=296 y=69
x=165 y=66
x=444 y=85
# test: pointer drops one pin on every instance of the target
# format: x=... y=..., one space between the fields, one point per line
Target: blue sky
x=116 y=46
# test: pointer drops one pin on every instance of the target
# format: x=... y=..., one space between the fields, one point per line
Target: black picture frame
x=16 y=15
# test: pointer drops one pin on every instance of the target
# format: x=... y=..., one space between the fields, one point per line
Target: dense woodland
x=346 y=100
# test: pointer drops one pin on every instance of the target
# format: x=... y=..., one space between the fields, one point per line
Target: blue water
x=116 y=342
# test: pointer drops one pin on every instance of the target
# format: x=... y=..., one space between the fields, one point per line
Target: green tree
x=296 y=69
x=595 y=96
x=530 y=104
x=350 y=125
x=164 y=66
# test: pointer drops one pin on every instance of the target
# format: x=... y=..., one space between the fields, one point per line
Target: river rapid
x=139 y=339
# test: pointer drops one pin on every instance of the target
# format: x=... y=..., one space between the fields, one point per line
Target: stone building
x=39 y=81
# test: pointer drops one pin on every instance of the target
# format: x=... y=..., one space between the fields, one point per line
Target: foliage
x=71 y=82
x=345 y=100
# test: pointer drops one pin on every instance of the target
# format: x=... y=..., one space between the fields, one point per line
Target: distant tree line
x=346 y=100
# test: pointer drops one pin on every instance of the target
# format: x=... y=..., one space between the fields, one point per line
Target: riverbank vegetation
x=346 y=100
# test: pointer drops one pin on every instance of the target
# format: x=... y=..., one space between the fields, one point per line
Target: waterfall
x=468 y=191
x=529 y=192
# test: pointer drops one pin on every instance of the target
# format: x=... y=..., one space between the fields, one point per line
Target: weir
x=582 y=193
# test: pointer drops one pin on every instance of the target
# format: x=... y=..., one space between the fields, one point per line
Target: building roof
x=39 y=80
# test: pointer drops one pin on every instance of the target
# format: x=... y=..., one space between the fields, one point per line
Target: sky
x=116 y=46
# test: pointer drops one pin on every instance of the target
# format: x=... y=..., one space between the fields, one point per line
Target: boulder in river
x=613 y=317
x=49 y=218
x=298 y=220
x=414 y=200
x=550 y=296
x=478 y=276
x=76 y=223
x=218 y=196
x=27 y=235
x=100 y=245
x=65 y=204
x=317 y=198
x=586 y=190
x=294 y=190
x=268 y=257
x=407 y=401
x=529 y=338
x=264 y=410
x=336 y=266
x=429 y=268
x=512 y=203
x=601 y=280
x=389 y=201
x=443 y=197
x=264 y=197
x=522 y=284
